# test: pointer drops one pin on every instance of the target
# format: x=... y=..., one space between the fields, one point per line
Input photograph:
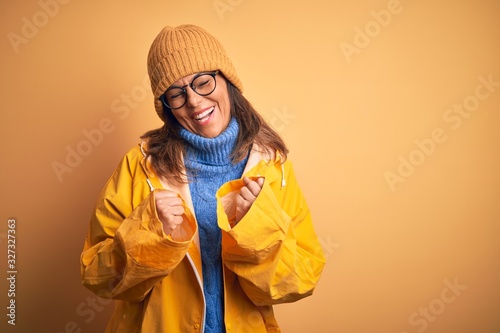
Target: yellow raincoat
x=271 y=256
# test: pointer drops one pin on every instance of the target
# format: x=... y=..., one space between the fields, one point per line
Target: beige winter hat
x=181 y=51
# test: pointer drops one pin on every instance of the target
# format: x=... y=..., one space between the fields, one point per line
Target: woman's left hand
x=247 y=196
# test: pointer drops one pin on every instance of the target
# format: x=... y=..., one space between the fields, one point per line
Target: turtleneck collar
x=211 y=151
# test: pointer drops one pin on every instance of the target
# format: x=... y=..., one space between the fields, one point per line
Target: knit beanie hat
x=181 y=51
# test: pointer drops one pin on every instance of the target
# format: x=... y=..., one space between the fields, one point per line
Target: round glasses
x=203 y=84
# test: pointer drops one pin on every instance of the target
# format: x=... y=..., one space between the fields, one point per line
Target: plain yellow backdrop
x=391 y=111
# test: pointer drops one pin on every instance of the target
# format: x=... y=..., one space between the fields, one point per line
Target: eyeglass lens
x=203 y=85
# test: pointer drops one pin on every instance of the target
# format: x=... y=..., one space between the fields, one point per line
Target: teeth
x=203 y=114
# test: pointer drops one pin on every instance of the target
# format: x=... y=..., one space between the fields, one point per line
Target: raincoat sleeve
x=126 y=251
x=274 y=249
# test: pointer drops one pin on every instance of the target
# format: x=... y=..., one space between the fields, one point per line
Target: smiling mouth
x=201 y=117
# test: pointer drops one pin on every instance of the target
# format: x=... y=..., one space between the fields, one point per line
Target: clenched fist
x=169 y=209
x=247 y=196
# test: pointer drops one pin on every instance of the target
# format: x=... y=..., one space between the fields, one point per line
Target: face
x=207 y=116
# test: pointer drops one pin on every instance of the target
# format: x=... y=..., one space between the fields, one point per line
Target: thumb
x=260 y=181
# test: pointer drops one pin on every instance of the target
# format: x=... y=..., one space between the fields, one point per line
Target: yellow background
x=396 y=235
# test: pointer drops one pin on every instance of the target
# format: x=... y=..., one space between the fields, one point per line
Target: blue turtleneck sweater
x=208 y=165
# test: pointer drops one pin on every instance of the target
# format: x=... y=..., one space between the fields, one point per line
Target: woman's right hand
x=247 y=196
x=170 y=209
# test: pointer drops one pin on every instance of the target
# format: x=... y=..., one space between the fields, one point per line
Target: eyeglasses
x=203 y=84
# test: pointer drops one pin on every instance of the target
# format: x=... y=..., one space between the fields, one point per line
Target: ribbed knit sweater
x=208 y=166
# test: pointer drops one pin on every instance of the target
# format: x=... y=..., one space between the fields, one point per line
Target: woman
x=202 y=227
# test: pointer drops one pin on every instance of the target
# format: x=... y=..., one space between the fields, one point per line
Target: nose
x=192 y=98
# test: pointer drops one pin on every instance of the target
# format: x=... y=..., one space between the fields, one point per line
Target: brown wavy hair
x=165 y=147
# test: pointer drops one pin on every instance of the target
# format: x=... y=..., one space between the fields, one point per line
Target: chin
x=211 y=135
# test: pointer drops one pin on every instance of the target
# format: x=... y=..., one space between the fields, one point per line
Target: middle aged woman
x=203 y=226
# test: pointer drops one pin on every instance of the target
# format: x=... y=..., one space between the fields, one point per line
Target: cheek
x=223 y=96
x=227 y=105
x=181 y=117
x=224 y=103
x=225 y=109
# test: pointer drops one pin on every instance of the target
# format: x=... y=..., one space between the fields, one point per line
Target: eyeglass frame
x=190 y=84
